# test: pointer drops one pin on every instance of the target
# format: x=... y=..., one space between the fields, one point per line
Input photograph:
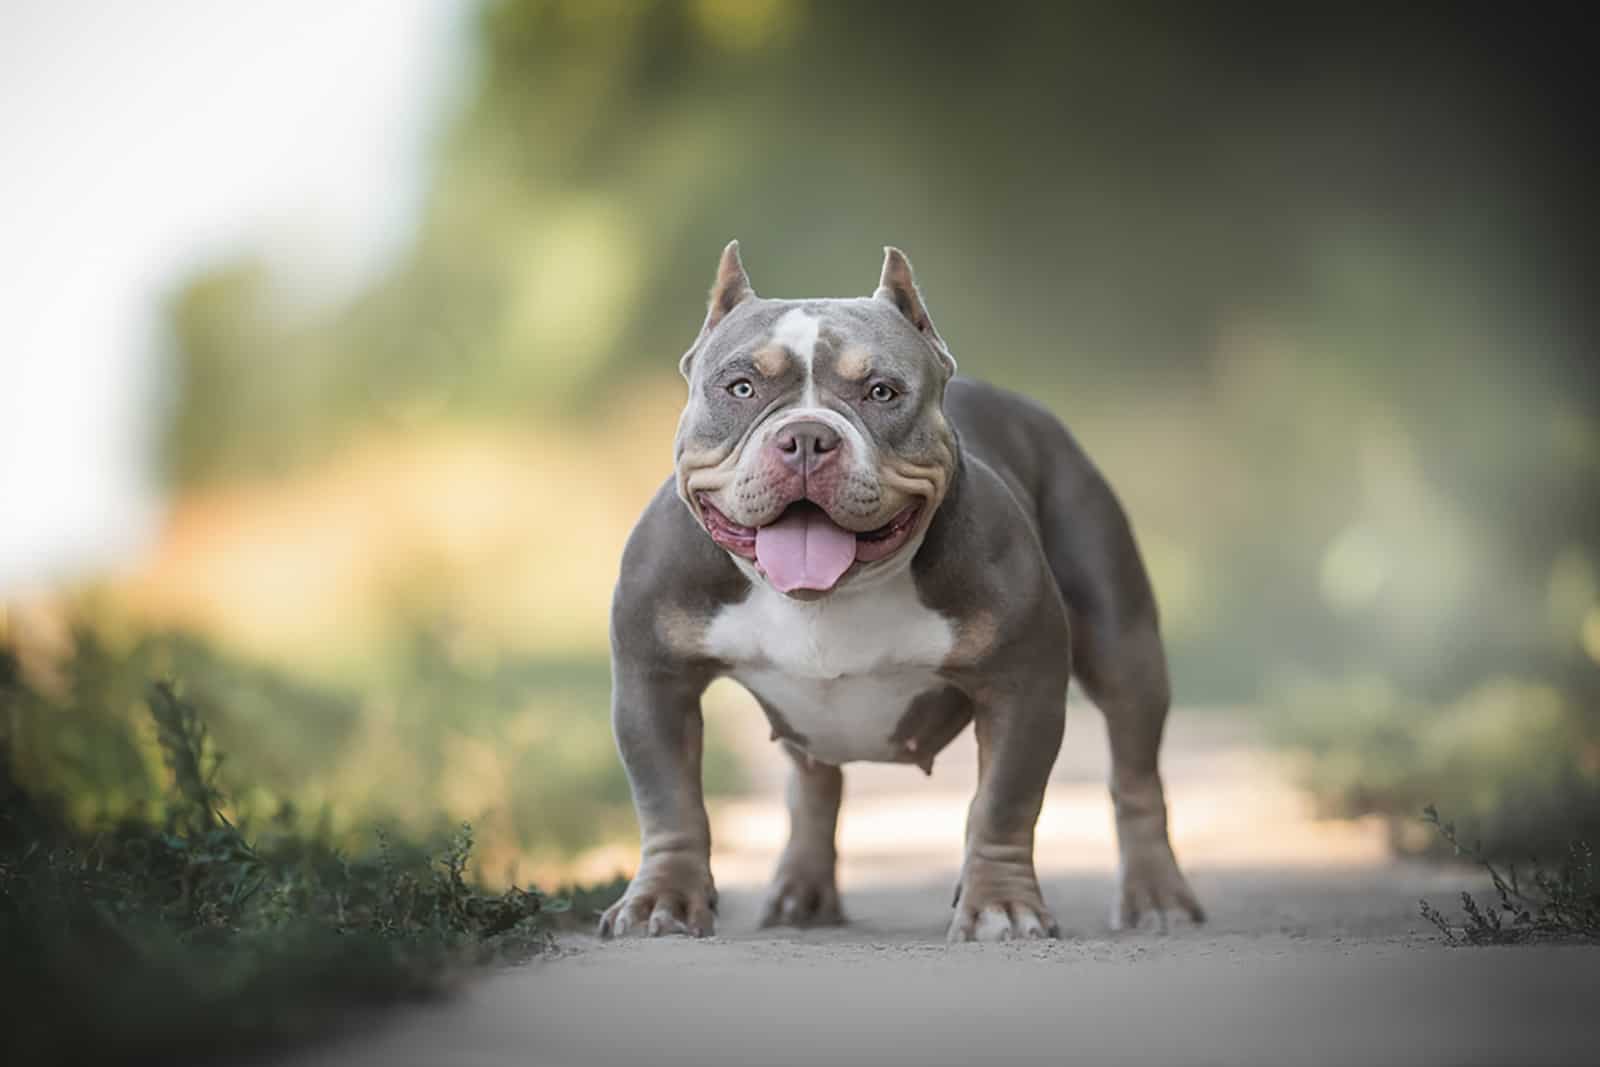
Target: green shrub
x=174 y=931
x=1517 y=762
x=422 y=738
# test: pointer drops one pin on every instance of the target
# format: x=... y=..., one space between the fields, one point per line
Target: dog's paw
x=1151 y=889
x=681 y=901
x=1000 y=904
x=801 y=898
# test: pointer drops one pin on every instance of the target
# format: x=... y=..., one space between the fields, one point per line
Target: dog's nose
x=805 y=446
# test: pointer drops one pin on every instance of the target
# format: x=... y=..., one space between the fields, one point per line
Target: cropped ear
x=731 y=288
x=897 y=286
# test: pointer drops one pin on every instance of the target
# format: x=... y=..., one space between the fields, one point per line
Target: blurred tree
x=1303 y=281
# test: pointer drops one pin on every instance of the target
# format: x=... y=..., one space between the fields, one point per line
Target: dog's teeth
x=911 y=744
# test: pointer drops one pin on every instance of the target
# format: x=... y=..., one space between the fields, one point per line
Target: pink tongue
x=804 y=550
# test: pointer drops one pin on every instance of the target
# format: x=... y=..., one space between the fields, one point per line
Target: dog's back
x=1085 y=534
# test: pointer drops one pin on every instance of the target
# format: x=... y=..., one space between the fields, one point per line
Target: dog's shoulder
x=672 y=583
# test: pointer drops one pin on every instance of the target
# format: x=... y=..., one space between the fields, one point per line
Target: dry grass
x=514 y=535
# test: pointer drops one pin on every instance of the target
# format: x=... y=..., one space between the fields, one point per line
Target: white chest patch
x=842 y=670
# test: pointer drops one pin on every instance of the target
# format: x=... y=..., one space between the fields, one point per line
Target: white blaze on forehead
x=797 y=331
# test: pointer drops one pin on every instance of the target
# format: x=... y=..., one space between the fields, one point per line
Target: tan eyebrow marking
x=854 y=363
x=771 y=361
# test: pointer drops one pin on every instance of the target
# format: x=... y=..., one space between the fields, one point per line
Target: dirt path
x=1314 y=953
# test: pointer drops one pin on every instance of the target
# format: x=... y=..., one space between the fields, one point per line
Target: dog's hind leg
x=1125 y=675
x=804 y=889
x=1118 y=659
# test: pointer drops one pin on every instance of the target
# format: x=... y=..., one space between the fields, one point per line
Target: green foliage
x=1334 y=426
x=96 y=735
x=426 y=737
x=232 y=332
x=129 y=939
x=1558 y=904
x=1517 y=761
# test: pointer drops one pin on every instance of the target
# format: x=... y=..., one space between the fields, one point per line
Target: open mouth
x=803 y=548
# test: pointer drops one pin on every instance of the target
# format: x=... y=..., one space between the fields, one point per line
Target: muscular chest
x=849 y=677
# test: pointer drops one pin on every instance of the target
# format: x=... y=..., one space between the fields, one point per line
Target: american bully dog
x=881 y=553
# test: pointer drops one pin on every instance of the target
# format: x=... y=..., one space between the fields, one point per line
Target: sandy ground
x=1314 y=952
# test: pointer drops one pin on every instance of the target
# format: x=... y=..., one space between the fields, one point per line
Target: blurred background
x=341 y=352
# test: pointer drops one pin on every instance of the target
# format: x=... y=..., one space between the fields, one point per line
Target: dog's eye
x=881 y=393
x=742 y=389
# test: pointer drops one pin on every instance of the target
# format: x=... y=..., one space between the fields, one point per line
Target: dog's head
x=814 y=446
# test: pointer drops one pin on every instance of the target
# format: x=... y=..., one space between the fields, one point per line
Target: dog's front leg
x=656 y=717
x=1019 y=733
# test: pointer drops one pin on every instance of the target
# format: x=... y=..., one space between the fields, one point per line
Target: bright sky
x=142 y=140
